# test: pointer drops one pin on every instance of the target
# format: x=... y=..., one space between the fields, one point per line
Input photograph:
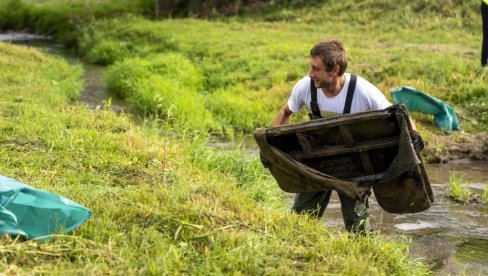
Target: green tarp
x=415 y=100
x=33 y=213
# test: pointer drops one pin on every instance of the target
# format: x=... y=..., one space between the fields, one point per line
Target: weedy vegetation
x=484 y=195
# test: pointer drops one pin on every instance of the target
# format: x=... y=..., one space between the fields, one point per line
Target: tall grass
x=62 y=18
x=484 y=194
x=166 y=84
x=168 y=204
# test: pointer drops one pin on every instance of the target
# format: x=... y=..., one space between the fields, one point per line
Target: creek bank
x=459 y=147
x=95 y=93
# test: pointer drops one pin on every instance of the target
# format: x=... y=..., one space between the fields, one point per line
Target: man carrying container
x=329 y=91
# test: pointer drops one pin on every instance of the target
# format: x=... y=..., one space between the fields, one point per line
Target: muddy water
x=450 y=237
x=95 y=93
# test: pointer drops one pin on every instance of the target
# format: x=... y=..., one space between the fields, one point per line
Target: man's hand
x=265 y=162
x=418 y=142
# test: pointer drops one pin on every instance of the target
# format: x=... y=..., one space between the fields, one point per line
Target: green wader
x=355 y=213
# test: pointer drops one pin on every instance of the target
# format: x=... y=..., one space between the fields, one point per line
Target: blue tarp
x=415 y=100
x=33 y=213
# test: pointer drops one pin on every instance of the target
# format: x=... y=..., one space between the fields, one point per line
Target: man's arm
x=283 y=116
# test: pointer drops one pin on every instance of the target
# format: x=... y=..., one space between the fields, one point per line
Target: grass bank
x=232 y=74
x=160 y=205
x=247 y=68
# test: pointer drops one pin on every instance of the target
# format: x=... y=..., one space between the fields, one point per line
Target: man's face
x=321 y=77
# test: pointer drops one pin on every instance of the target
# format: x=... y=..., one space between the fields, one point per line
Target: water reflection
x=473 y=253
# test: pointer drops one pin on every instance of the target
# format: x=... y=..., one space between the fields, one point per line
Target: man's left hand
x=418 y=142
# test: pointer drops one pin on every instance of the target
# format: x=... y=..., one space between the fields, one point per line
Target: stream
x=451 y=238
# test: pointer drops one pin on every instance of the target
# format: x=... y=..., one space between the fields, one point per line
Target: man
x=328 y=64
x=484 y=46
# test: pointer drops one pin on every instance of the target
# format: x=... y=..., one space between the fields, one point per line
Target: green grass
x=167 y=85
x=62 y=18
x=161 y=205
x=249 y=65
x=163 y=201
x=458 y=190
x=239 y=55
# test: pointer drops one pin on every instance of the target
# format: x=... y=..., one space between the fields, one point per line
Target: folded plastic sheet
x=415 y=100
x=33 y=213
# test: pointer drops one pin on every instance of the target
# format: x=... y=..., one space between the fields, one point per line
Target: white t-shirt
x=366 y=97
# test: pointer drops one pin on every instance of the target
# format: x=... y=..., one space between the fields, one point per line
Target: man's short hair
x=332 y=53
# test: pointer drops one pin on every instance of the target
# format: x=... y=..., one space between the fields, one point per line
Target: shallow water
x=450 y=237
x=95 y=93
x=14 y=36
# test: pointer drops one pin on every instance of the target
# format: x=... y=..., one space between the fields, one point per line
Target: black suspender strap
x=314 y=106
x=350 y=94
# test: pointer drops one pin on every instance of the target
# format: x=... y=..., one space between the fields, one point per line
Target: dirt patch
x=462 y=146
